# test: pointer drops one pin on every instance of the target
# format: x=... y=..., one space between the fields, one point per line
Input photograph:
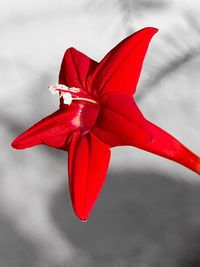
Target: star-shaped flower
x=97 y=112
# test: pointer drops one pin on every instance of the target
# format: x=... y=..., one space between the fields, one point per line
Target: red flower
x=103 y=114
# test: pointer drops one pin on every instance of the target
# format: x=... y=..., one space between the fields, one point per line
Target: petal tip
x=21 y=143
x=155 y=29
x=198 y=167
x=82 y=218
x=194 y=164
x=81 y=214
x=151 y=30
x=15 y=144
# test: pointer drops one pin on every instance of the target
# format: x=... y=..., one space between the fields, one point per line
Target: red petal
x=120 y=69
x=87 y=165
x=120 y=122
x=52 y=130
x=165 y=145
x=75 y=68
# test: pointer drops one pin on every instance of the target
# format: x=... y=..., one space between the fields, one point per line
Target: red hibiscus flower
x=97 y=112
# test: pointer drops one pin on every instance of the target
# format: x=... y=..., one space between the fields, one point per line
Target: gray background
x=148 y=214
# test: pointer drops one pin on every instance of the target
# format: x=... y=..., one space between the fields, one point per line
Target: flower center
x=68 y=93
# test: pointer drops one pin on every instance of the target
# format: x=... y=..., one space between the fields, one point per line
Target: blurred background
x=148 y=214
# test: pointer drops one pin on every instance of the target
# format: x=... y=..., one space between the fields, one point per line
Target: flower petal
x=52 y=130
x=75 y=68
x=165 y=145
x=87 y=167
x=120 y=69
x=120 y=122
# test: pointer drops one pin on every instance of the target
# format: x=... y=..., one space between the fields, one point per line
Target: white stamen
x=67 y=98
x=74 y=89
x=65 y=93
x=57 y=87
x=53 y=90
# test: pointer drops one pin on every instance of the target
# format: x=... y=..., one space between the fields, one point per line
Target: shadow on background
x=15 y=250
x=139 y=220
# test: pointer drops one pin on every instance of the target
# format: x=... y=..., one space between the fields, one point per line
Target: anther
x=54 y=88
x=67 y=98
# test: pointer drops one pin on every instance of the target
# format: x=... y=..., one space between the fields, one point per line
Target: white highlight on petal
x=67 y=98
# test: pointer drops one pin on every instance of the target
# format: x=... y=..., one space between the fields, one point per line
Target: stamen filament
x=85 y=99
